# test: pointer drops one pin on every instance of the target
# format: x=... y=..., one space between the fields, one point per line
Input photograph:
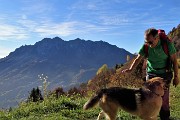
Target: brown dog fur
x=144 y=102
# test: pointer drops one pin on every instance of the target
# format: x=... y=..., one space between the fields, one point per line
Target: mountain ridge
x=66 y=63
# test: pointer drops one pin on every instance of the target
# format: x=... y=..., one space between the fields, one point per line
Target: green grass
x=175 y=102
x=70 y=108
x=64 y=108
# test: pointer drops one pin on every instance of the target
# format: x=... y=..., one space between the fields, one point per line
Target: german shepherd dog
x=144 y=102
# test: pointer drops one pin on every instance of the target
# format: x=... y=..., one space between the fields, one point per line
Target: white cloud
x=23 y=28
x=28 y=25
x=91 y=7
x=12 y=32
x=100 y=17
x=24 y=17
x=62 y=29
x=115 y=20
x=68 y=28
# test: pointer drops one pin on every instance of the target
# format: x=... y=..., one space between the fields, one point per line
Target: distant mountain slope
x=66 y=63
x=174 y=34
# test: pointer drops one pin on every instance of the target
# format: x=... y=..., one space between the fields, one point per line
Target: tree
x=101 y=75
x=73 y=91
x=117 y=66
x=83 y=89
x=128 y=58
x=59 y=91
x=35 y=95
x=102 y=69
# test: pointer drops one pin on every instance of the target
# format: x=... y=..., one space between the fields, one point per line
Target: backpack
x=164 y=42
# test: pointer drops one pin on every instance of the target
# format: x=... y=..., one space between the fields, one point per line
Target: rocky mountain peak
x=66 y=63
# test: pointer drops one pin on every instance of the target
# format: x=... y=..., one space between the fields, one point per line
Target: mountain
x=65 y=63
x=174 y=34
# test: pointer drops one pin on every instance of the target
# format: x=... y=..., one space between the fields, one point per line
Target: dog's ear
x=159 y=79
x=153 y=82
x=156 y=79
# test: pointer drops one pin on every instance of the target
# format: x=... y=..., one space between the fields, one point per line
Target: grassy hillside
x=70 y=108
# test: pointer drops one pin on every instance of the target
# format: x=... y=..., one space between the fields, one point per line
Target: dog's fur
x=144 y=102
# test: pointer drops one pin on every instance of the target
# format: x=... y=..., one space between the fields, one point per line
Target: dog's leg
x=110 y=109
x=101 y=114
x=112 y=115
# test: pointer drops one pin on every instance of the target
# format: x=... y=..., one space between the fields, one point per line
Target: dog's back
x=126 y=98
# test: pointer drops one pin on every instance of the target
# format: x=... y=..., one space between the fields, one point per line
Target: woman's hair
x=151 y=31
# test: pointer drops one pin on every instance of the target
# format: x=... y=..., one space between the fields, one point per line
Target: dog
x=144 y=102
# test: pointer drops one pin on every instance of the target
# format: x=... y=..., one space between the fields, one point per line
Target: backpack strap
x=164 y=44
x=164 y=41
x=169 y=64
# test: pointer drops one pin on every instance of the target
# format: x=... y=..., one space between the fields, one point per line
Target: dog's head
x=155 y=85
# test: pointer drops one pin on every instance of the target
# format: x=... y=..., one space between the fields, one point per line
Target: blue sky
x=118 y=22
